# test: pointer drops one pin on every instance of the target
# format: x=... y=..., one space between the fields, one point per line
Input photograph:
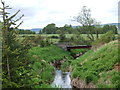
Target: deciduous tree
x=85 y=19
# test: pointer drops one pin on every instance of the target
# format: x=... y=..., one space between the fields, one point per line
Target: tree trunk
x=8 y=68
x=97 y=34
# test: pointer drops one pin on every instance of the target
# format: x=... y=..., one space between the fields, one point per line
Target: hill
x=116 y=24
x=36 y=30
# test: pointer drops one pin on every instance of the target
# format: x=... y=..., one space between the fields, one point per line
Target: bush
x=106 y=38
x=56 y=37
x=62 y=37
x=37 y=41
x=78 y=39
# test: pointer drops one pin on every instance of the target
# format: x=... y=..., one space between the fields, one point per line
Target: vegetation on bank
x=49 y=53
x=99 y=67
x=78 y=51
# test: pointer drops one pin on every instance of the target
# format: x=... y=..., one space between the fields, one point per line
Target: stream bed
x=61 y=80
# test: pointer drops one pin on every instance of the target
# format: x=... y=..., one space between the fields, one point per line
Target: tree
x=13 y=52
x=49 y=29
x=107 y=28
x=85 y=19
x=21 y=31
x=62 y=37
x=97 y=29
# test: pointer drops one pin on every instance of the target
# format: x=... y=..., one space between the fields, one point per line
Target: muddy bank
x=75 y=56
x=57 y=63
x=78 y=83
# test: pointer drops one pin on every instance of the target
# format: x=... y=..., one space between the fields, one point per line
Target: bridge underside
x=77 y=47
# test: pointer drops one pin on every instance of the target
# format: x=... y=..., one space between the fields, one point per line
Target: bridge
x=77 y=47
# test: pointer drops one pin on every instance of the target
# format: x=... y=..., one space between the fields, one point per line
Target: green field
x=49 y=35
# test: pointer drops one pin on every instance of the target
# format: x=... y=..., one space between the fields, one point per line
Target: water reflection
x=62 y=80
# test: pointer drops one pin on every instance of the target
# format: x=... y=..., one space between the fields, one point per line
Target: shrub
x=38 y=41
x=78 y=39
x=56 y=37
x=62 y=37
x=106 y=38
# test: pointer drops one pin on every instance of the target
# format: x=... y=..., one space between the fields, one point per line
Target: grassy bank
x=99 y=67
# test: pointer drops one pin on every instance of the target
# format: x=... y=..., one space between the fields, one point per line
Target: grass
x=49 y=53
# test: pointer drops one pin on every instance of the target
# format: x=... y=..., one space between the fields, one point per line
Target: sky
x=40 y=13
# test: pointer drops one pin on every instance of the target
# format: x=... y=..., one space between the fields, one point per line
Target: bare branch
x=14 y=15
x=19 y=18
x=2 y=2
x=19 y=24
x=8 y=8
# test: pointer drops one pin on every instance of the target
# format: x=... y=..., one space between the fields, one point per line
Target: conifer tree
x=13 y=52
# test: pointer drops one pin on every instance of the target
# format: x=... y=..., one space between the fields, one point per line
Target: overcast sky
x=39 y=13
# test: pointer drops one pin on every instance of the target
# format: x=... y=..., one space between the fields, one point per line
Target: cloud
x=39 y=13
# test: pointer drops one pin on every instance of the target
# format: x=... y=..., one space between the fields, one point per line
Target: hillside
x=98 y=67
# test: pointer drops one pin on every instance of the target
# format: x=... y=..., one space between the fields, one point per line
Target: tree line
x=22 y=31
x=68 y=29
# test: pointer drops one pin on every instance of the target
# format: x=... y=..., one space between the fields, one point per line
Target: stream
x=61 y=80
